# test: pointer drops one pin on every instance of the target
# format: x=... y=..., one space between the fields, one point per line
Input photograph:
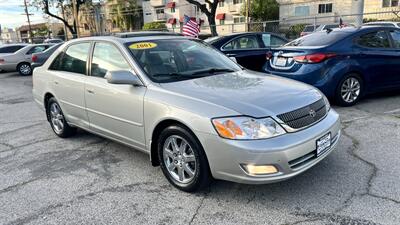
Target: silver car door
x=114 y=110
x=69 y=75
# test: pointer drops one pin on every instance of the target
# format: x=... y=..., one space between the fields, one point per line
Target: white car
x=21 y=60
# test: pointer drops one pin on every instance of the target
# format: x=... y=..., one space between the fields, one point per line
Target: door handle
x=231 y=55
x=90 y=91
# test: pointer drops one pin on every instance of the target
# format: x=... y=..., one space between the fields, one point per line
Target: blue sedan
x=345 y=64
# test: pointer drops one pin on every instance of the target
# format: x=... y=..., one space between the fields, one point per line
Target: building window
x=221 y=4
x=241 y=19
x=237 y=1
x=221 y=22
x=325 y=8
x=172 y=10
x=302 y=11
x=159 y=11
x=390 y=3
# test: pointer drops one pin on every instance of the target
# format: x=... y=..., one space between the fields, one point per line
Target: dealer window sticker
x=143 y=45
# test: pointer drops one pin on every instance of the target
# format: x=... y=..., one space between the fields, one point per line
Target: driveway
x=90 y=180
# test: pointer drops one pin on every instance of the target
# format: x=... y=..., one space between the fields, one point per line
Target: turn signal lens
x=260 y=169
x=246 y=128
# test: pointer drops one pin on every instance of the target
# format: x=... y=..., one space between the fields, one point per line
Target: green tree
x=154 y=26
x=46 y=5
x=263 y=10
x=126 y=14
x=210 y=10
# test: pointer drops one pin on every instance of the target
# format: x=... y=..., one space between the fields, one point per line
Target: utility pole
x=248 y=13
x=359 y=12
x=29 y=21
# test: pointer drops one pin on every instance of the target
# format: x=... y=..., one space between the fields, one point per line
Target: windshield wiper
x=213 y=70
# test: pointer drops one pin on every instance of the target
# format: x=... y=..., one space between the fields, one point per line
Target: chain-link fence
x=290 y=28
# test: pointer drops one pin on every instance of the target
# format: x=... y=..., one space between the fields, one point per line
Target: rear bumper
x=284 y=152
x=34 y=65
x=317 y=75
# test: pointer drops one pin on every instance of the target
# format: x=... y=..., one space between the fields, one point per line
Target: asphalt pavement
x=90 y=180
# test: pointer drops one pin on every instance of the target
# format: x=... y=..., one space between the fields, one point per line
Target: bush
x=154 y=26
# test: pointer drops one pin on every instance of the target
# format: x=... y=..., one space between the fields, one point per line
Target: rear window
x=308 y=29
x=319 y=39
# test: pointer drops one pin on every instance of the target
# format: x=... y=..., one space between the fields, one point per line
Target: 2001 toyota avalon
x=194 y=111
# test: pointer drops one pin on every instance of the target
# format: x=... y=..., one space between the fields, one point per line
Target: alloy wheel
x=25 y=69
x=179 y=159
x=350 y=90
x=56 y=118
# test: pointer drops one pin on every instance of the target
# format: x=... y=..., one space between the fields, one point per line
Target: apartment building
x=172 y=11
x=8 y=35
x=294 y=10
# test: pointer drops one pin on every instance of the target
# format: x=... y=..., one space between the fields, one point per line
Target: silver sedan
x=193 y=110
x=20 y=60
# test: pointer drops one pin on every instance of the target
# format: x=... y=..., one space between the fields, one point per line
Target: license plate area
x=281 y=61
x=324 y=143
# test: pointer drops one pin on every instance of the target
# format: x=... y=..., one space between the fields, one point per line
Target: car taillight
x=34 y=58
x=313 y=58
x=1 y=60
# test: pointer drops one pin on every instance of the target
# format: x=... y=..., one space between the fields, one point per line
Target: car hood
x=248 y=93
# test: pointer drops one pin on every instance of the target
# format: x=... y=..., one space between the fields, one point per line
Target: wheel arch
x=161 y=125
x=46 y=99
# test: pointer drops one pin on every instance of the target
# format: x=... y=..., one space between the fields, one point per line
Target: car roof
x=382 y=22
x=130 y=39
x=146 y=33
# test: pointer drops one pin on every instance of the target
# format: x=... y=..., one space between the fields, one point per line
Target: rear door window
x=73 y=59
x=395 y=34
x=246 y=42
x=37 y=49
x=378 y=39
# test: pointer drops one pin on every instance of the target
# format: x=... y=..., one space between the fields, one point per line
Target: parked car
x=324 y=27
x=192 y=109
x=345 y=64
x=38 y=59
x=10 y=48
x=249 y=49
x=383 y=24
x=308 y=29
x=21 y=59
x=53 y=40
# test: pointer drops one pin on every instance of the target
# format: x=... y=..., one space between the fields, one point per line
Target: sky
x=10 y=14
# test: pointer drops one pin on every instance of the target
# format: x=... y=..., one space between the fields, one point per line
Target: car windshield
x=321 y=38
x=309 y=28
x=179 y=59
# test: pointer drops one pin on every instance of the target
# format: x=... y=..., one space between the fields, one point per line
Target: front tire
x=350 y=90
x=182 y=159
x=24 y=69
x=57 y=120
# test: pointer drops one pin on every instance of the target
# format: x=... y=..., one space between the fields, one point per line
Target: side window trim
x=64 y=50
x=246 y=35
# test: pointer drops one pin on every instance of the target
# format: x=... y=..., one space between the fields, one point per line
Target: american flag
x=190 y=27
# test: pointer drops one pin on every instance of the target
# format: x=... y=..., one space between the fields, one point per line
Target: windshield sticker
x=143 y=45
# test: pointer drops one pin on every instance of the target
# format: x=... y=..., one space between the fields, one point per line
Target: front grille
x=305 y=116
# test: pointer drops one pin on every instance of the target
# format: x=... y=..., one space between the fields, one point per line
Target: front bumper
x=226 y=156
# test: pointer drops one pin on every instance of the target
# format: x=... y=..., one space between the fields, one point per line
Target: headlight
x=327 y=105
x=246 y=128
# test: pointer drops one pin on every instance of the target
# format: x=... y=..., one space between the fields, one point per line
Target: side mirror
x=123 y=77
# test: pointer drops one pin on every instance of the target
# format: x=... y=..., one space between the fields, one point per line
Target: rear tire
x=24 y=69
x=350 y=90
x=182 y=159
x=57 y=120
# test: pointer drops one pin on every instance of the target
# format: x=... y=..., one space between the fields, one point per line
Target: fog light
x=260 y=169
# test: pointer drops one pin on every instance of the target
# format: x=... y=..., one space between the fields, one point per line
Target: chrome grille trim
x=301 y=118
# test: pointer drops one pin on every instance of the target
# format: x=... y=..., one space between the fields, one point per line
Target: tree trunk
x=213 y=27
